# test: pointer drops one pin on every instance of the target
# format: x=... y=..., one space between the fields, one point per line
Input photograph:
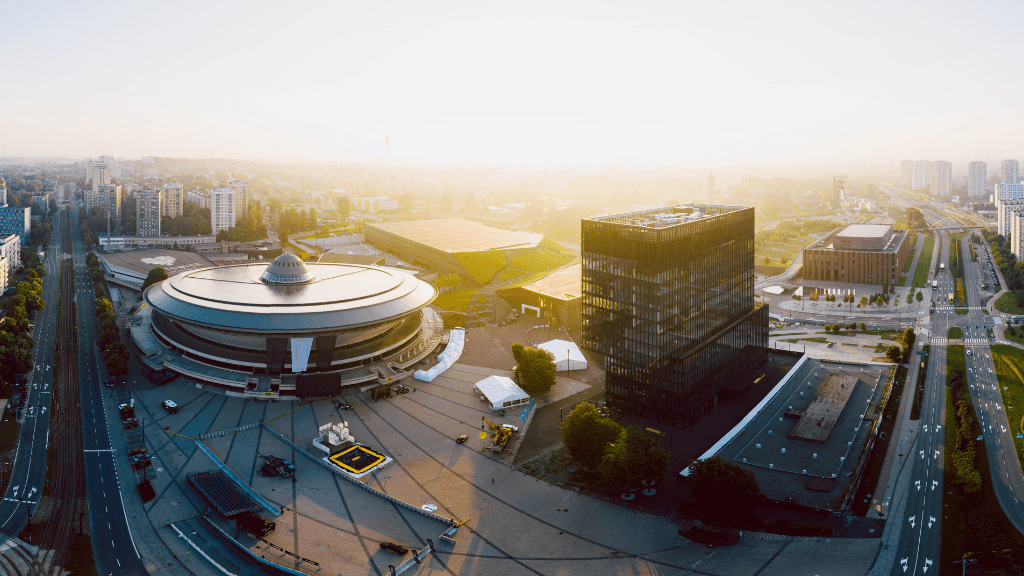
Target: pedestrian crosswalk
x=959 y=341
x=952 y=308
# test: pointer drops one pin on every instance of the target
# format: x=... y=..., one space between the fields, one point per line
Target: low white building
x=501 y=392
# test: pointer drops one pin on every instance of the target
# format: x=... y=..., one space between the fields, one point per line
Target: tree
x=633 y=458
x=724 y=491
x=908 y=338
x=155 y=275
x=920 y=296
x=450 y=281
x=344 y=208
x=535 y=369
x=894 y=353
x=863 y=326
x=586 y=433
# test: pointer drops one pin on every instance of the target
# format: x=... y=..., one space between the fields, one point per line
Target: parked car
x=130 y=423
x=396 y=548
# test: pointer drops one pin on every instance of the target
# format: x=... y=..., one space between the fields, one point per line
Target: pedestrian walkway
x=973 y=341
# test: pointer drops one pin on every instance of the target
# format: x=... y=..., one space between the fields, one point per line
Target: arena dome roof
x=306 y=297
x=286 y=269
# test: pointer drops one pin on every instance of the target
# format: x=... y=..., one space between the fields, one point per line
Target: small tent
x=567 y=355
x=501 y=392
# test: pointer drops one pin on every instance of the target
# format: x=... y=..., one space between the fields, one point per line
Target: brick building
x=858 y=254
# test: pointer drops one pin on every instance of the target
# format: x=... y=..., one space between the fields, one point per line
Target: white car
x=514 y=429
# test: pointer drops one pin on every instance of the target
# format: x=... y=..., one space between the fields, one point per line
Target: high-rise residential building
x=172 y=202
x=922 y=175
x=668 y=302
x=1011 y=174
x=906 y=173
x=16 y=221
x=977 y=178
x=241 y=190
x=1008 y=198
x=109 y=197
x=148 y=211
x=199 y=198
x=711 y=187
x=3 y=192
x=10 y=251
x=222 y=209
x=100 y=175
x=942 y=179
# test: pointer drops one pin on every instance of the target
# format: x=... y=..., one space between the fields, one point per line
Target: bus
x=935 y=283
x=950 y=297
x=942 y=266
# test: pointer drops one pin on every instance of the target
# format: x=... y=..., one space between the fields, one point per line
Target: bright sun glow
x=467 y=83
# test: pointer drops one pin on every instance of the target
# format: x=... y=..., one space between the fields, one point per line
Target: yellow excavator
x=500 y=435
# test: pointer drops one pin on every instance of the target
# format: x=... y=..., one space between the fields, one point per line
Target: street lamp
x=963 y=563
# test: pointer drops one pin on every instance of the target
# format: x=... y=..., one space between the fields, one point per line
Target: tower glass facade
x=668 y=301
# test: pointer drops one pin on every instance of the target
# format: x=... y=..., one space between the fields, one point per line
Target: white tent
x=567 y=355
x=501 y=392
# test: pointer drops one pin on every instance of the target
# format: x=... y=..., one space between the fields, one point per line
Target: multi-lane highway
x=28 y=471
x=112 y=541
x=920 y=538
x=982 y=381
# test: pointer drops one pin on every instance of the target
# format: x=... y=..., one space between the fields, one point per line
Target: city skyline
x=464 y=84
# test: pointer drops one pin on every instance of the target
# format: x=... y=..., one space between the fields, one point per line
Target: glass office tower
x=668 y=301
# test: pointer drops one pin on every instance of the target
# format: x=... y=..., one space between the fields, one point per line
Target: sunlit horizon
x=463 y=84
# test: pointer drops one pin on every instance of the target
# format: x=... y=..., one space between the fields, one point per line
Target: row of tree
x=965 y=449
x=724 y=493
x=625 y=457
x=15 y=333
x=194 y=221
x=115 y=352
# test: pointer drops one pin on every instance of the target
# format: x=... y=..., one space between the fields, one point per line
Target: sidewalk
x=883 y=492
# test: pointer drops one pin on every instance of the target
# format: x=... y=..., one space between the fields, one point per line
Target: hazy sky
x=685 y=83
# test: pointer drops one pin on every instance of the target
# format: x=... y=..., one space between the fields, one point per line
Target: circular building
x=289 y=327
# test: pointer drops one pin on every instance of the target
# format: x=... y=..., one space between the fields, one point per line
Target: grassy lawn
x=902 y=281
x=540 y=260
x=456 y=300
x=955 y=332
x=922 y=373
x=1008 y=303
x=1011 y=386
x=972 y=523
x=921 y=272
x=482 y=266
x=910 y=258
x=774 y=253
x=962 y=311
x=509 y=274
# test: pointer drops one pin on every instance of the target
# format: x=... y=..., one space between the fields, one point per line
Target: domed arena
x=288 y=327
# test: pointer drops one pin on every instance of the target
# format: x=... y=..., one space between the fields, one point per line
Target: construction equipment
x=500 y=435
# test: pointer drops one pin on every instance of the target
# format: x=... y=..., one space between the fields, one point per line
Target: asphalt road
x=920 y=540
x=28 y=472
x=112 y=543
x=981 y=378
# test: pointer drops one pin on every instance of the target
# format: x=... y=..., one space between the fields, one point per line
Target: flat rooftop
x=864 y=231
x=140 y=262
x=802 y=471
x=459 y=235
x=565 y=283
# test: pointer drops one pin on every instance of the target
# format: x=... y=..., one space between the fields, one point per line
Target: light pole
x=963 y=563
